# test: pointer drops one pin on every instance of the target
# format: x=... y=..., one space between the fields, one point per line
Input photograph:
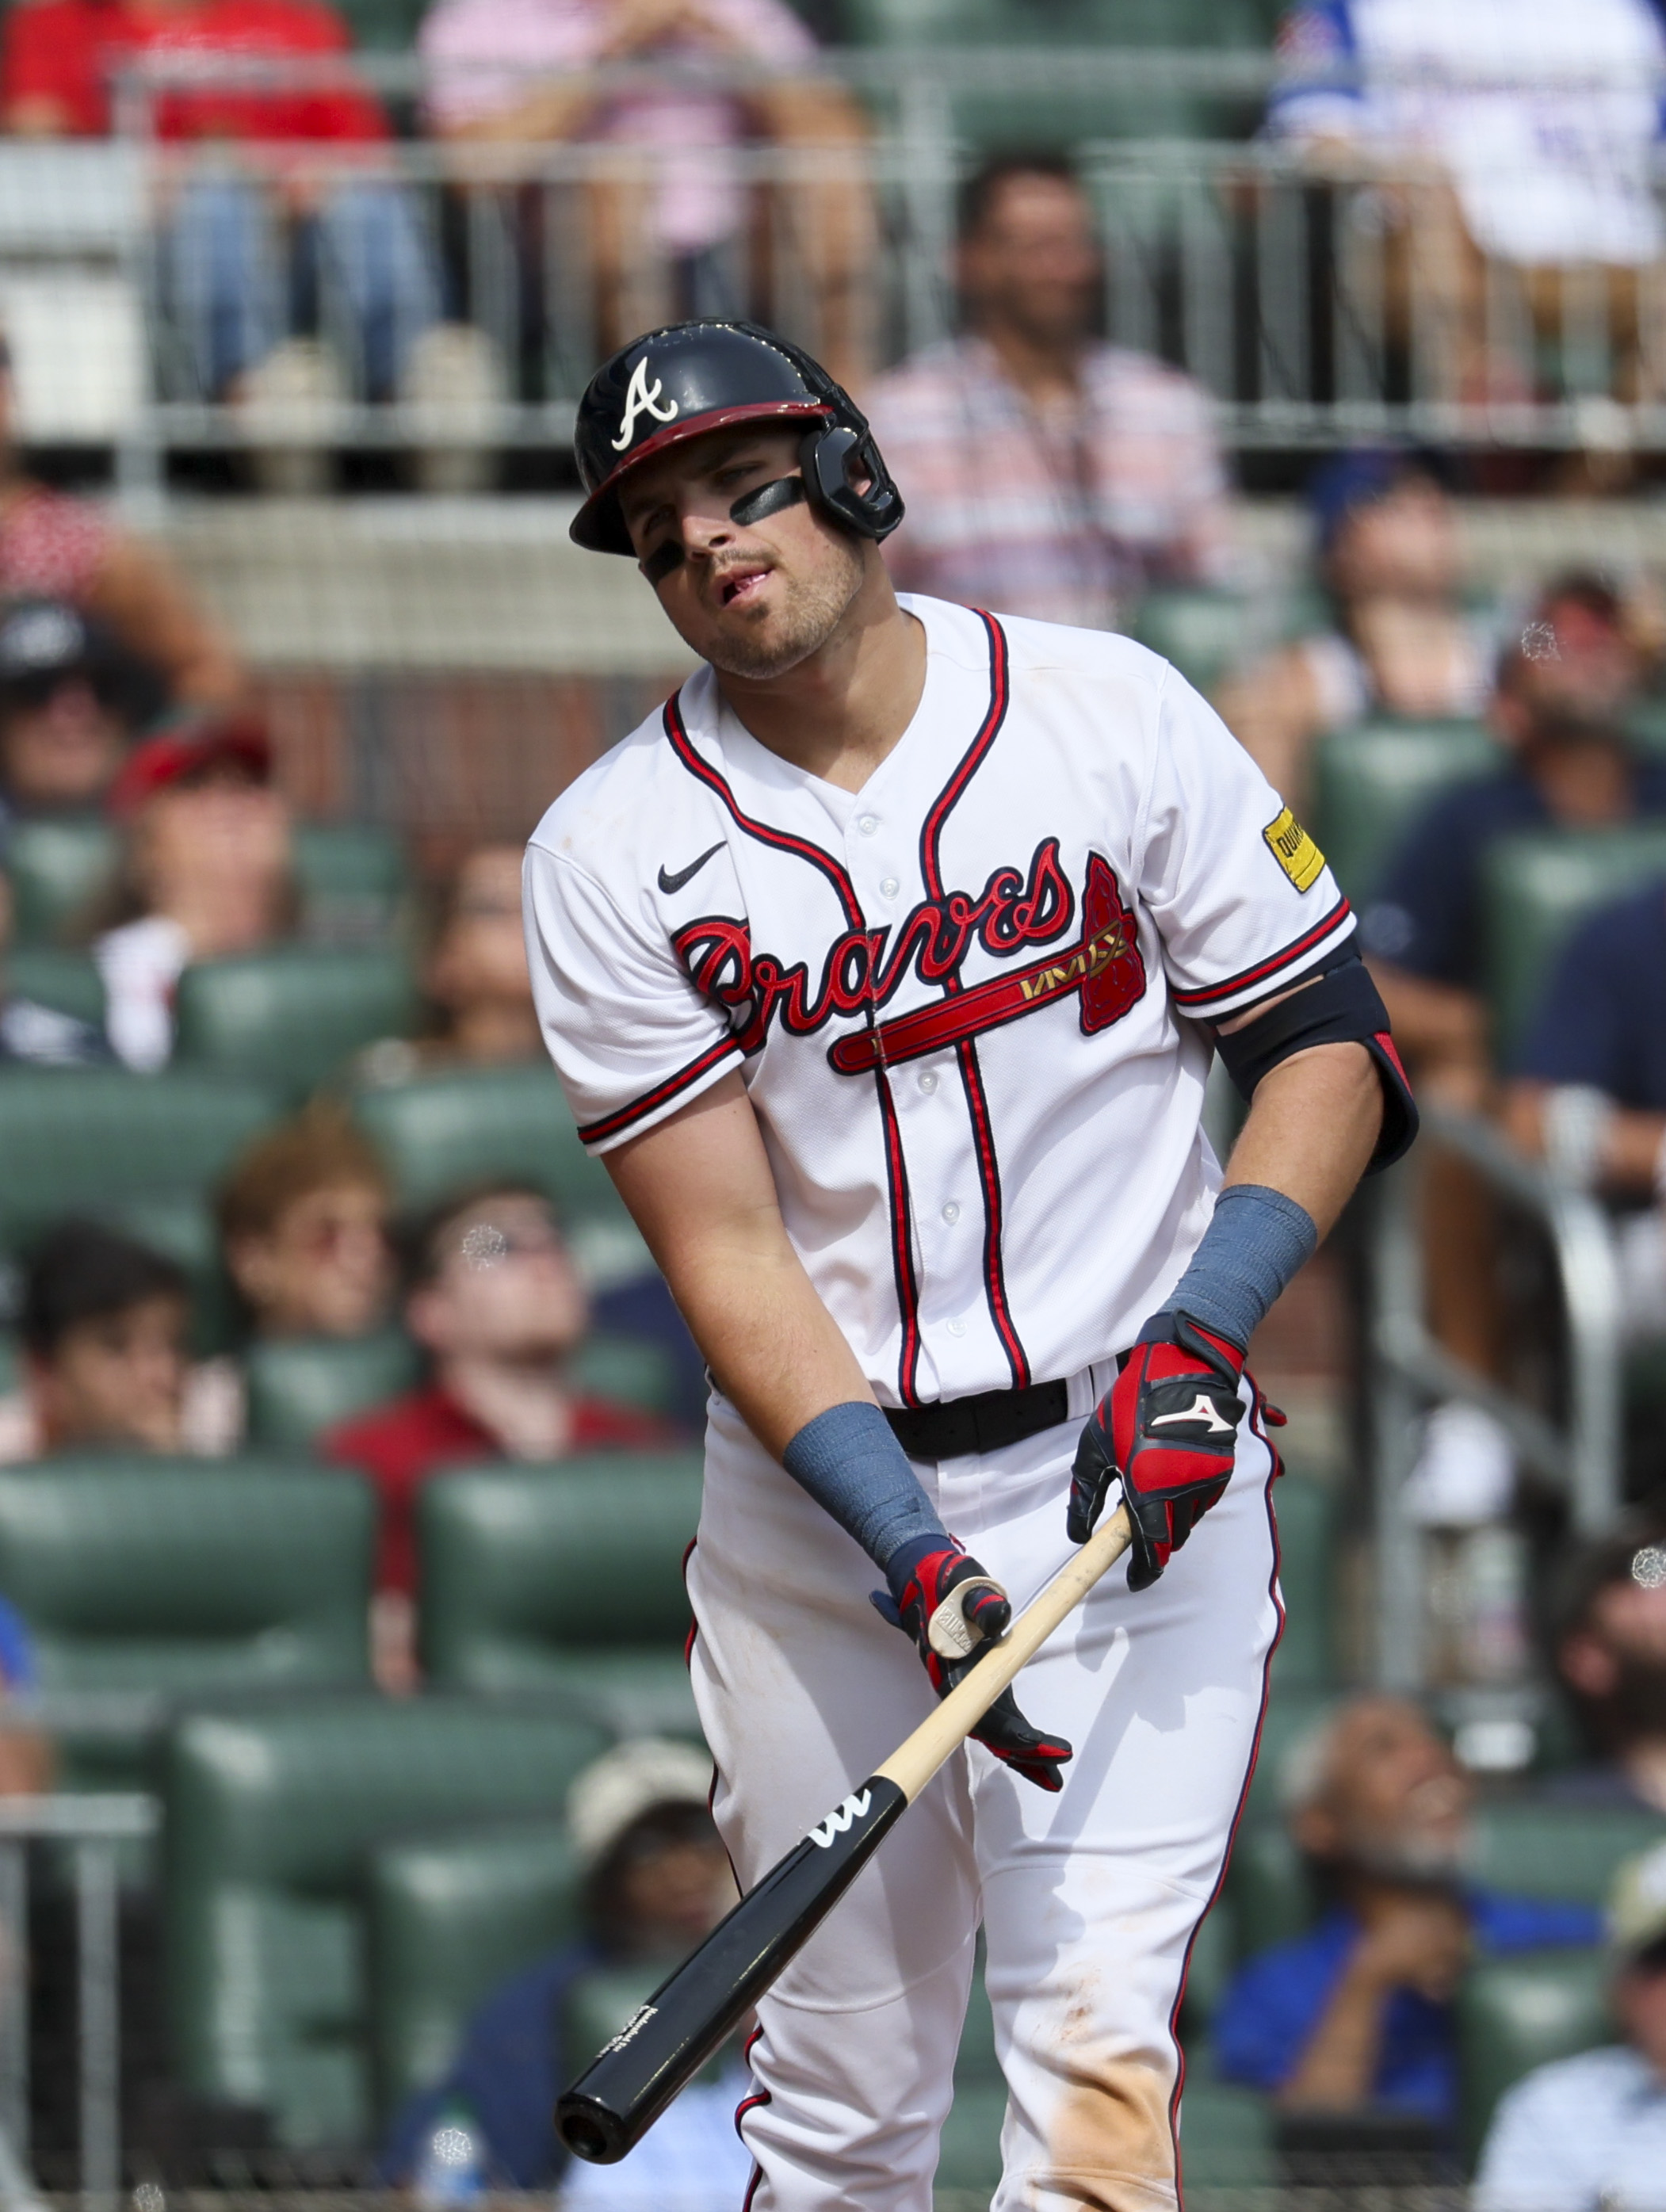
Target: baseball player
x=885 y=969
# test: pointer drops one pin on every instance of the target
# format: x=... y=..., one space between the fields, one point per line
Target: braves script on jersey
x=957 y=997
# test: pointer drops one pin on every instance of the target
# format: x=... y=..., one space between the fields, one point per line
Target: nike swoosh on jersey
x=1200 y=1410
x=687 y=875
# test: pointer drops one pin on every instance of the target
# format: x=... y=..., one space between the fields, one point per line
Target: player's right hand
x=955 y=1611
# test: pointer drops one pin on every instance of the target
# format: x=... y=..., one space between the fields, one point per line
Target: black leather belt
x=987 y=1423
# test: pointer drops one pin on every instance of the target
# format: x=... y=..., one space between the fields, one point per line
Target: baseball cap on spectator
x=1637 y=1905
x=184 y=755
x=44 y=643
x=1338 y=488
x=627 y=1782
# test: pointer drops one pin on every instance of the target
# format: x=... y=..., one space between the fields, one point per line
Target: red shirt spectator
x=400 y=1444
x=58 y=57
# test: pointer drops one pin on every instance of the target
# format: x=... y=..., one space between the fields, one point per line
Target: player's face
x=754 y=599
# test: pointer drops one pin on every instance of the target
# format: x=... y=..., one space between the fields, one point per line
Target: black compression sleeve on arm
x=1342 y=1006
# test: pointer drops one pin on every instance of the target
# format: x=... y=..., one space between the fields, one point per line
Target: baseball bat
x=621 y=2094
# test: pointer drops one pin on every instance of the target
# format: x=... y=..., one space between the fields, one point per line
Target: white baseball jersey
x=963 y=1000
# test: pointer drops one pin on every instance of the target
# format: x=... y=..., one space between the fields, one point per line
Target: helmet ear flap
x=827 y=456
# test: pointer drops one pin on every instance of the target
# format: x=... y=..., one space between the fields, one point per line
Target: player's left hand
x=955 y=1611
x=1168 y=1428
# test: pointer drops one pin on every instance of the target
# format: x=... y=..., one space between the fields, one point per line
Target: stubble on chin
x=811 y=610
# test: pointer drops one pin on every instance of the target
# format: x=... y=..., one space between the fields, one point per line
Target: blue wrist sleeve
x=850 y=1463
x=1256 y=1241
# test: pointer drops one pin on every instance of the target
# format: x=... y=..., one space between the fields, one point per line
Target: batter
x=885 y=968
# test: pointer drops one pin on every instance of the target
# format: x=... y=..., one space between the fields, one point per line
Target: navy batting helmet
x=692 y=377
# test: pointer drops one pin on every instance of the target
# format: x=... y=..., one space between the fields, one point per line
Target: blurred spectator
x=1401 y=641
x=103 y=1327
x=226 y=274
x=1589 y=2132
x=656 y=1879
x=1523 y=134
x=670 y=240
x=70 y=700
x=303 y=1224
x=496 y=1302
x=1610 y=1652
x=33 y=1036
x=1589 y=1093
x=1357 y=2012
x=55 y=546
x=1046 y=473
x=476 y=978
x=206 y=874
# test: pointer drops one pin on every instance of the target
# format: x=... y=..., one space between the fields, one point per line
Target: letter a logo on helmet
x=680 y=382
x=639 y=400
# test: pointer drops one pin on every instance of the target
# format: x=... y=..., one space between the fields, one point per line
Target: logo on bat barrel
x=633 y=2027
x=838 y=1822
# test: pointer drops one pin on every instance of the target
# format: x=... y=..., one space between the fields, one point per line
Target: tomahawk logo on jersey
x=936 y=987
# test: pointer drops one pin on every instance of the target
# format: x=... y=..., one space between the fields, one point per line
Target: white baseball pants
x=1089 y=1899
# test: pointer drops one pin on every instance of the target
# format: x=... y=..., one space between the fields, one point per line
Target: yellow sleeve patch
x=1294 y=850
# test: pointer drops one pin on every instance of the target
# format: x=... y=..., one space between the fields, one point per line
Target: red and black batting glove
x=1168 y=1428
x=955 y=1612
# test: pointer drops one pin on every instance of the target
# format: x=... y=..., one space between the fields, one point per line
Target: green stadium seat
x=439 y=1134
x=1370 y=783
x=91 y=1140
x=1226 y=2136
x=1203 y=633
x=1306 y=1656
x=1269 y=1888
x=566 y=1578
x=450 y=1916
x=1518 y=2013
x=300 y=1387
x=183 y=1577
x=57 y=866
x=632 y=1371
x=293 y=1017
x=354 y=880
x=1552 y=1851
x=67 y=981
x=971 y=2153
x=272 y=1815
x=385 y=27
x=1538 y=886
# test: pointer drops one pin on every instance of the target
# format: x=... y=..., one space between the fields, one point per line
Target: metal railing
x=1578 y=1456
x=1321 y=296
x=93 y=1830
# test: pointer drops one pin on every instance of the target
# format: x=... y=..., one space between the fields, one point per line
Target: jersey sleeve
x=1240 y=894
x=631 y=1038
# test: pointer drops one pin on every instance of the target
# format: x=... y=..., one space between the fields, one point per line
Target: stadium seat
x=299 y=1387
x=271 y=1817
x=1271 y=1892
x=630 y=1369
x=184 y=1575
x=1226 y=2135
x=1559 y=1851
x=566 y=1579
x=1518 y=2013
x=450 y=1917
x=1203 y=633
x=354 y=881
x=1371 y=783
x=439 y=1134
x=293 y=1017
x=970 y=2153
x=53 y=977
x=56 y=867
x=90 y=1140
x=1538 y=886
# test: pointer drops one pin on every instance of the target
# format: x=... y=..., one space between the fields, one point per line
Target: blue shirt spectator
x=1277 y=1999
x=1603 y=1019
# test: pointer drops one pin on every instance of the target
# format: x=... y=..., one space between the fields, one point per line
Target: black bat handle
x=618 y=2097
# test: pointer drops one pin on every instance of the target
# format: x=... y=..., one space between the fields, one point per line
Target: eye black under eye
x=658 y=565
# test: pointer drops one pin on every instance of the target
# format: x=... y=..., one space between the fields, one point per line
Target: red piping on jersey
x=902 y=1247
x=972 y=1076
x=592 y=1132
x=1273 y=1472
x=1196 y=1001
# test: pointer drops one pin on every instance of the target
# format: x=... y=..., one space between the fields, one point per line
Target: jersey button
x=867 y=823
x=928 y=1083
x=889 y=887
x=952 y=1213
x=955 y=1328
